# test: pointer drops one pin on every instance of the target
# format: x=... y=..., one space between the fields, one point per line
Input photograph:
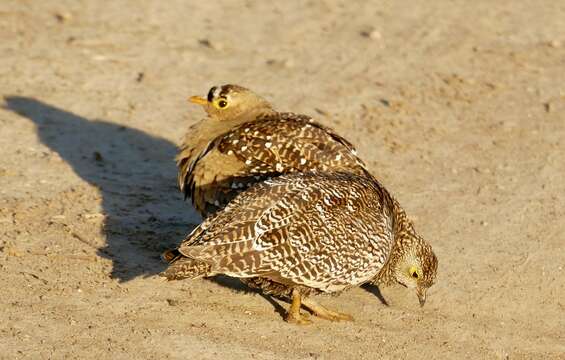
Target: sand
x=457 y=106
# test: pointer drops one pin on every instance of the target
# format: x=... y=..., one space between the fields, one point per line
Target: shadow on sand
x=136 y=175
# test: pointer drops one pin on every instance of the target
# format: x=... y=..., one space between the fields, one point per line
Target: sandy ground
x=456 y=105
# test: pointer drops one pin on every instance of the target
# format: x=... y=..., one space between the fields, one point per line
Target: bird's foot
x=298 y=318
x=293 y=316
x=325 y=313
x=333 y=315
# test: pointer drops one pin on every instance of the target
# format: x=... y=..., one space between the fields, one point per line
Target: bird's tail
x=182 y=267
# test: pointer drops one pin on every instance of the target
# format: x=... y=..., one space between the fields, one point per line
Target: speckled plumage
x=249 y=142
x=307 y=233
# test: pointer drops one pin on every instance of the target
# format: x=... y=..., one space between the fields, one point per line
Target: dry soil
x=457 y=106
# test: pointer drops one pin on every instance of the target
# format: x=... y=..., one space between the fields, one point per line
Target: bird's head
x=416 y=266
x=231 y=102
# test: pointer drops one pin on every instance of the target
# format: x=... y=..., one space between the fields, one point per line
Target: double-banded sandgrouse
x=243 y=140
x=306 y=233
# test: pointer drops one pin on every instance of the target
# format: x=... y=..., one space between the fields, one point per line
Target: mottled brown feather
x=326 y=232
x=220 y=156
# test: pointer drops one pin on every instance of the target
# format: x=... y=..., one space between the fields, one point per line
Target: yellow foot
x=298 y=319
x=324 y=312
x=334 y=316
x=294 y=316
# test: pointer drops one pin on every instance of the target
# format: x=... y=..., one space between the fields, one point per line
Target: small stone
x=212 y=45
x=548 y=107
x=173 y=302
x=63 y=16
x=93 y=216
x=286 y=63
x=372 y=34
x=97 y=156
x=205 y=42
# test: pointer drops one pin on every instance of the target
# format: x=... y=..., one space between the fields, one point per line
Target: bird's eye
x=413 y=271
x=222 y=104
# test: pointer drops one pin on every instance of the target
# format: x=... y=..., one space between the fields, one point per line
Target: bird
x=243 y=140
x=303 y=234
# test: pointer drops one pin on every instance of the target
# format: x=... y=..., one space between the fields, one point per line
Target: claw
x=294 y=316
x=324 y=312
x=298 y=319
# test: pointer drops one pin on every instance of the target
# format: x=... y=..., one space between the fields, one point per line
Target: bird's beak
x=198 y=100
x=421 y=292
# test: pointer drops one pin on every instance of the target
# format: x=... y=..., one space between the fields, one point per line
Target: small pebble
x=63 y=16
x=212 y=45
x=98 y=156
x=372 y=34
x=548 y=107
x=173 y=302
x=93 y=216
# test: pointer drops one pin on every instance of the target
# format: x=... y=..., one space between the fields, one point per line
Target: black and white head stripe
x=213 y=93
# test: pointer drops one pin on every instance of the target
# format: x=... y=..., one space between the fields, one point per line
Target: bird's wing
x=212 y=172
x=287 y=142
x=193 y=148
x=327 y=231
x=205 y=174
x=186 y=163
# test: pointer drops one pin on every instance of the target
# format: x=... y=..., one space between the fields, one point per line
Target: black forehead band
x=211 y=94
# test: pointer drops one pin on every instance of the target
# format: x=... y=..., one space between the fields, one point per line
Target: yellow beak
x=198 y=100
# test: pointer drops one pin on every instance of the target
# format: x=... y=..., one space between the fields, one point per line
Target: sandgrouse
x=306 y=233
x=243 y=140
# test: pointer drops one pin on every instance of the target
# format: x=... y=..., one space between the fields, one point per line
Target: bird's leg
x=324 y=312
x=293 y=315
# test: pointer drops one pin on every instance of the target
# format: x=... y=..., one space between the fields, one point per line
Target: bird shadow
x=279 y=309
x=231 y=283
x=236 y=285
x=373 y=289
x=135 y=174
x=143 y=210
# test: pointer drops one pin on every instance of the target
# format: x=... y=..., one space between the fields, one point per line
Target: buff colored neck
x=403 y=231
x=209 y=128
